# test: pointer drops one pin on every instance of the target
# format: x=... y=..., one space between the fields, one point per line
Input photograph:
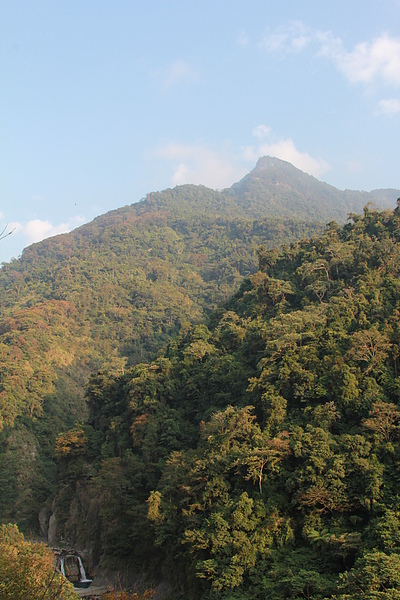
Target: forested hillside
x=110 y=294
x=257 y=456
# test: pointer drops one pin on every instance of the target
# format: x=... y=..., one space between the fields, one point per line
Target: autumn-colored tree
x=72 y=443
x=369 y=348
x=384 y=420
x=27 y=570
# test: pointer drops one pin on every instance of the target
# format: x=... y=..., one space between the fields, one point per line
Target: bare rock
x=52 y=531
x=44 y=516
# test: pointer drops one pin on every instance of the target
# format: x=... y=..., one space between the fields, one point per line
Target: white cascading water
x=62 y=565
x=82 y=571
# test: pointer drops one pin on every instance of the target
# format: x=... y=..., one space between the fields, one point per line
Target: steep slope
x=258 y=457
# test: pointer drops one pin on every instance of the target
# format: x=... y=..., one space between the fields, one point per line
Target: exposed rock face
x=72 y=569
x=52 y=531
x=44 y=517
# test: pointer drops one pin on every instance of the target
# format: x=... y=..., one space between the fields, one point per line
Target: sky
x=104 y=101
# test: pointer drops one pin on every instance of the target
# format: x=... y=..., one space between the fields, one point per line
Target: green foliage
x=258 y=457
x=255 y=456
x=280 y=189
x=375 y=575
x=108 y=296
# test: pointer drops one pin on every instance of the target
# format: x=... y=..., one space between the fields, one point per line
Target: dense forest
x=258 y=455
x=101 y=297
x=202 y=387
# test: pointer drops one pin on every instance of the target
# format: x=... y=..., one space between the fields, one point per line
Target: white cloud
x=177 y=72
x=200 y=165
x=261 y=131
x=286 y=150
x=388 y=107
x=367 y=62
x=37 y=229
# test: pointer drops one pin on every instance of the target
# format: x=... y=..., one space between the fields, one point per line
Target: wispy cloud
x=366 y=63
x=284 y=149
x=291 y=38
x=37 y=229
x=200 y=165
x=388 y=107
x=175 y=73
x=243 y=39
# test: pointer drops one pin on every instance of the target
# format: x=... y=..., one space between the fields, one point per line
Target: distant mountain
x=274 y=188
x=277 y=188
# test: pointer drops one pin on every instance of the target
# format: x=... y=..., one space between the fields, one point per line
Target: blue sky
x=102 y=101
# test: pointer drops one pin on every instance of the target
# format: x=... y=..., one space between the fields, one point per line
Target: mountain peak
x=268 y=162
x=277 y=188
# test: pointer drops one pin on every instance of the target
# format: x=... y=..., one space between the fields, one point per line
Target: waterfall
x=82 y=573
x=62 y=565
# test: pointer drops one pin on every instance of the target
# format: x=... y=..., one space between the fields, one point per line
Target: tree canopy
x=108 y=295
x=257 y=456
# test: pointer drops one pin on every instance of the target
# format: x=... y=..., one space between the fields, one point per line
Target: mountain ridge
x=253 y=197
